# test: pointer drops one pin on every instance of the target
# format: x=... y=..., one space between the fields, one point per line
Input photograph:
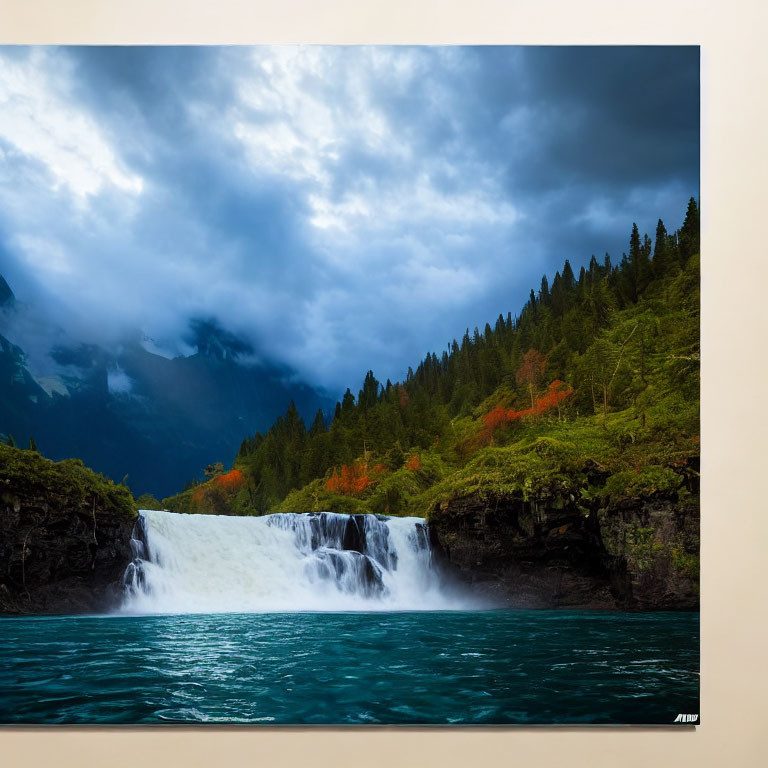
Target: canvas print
x=349 y=385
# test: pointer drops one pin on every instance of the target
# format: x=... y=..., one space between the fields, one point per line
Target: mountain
x=134 y=412
x=7 y=299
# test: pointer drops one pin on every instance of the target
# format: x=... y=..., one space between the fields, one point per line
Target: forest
x=598 y=375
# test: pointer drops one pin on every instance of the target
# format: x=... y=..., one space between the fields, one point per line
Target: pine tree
x=634 y=244
x=645 y=270
x=369 y=394
x=689 y=233
x=661 y=264
x=557 y=295
x=347 y=408
x=318 y=425
x=569 y=286
x=569 y=280
x=543 y=291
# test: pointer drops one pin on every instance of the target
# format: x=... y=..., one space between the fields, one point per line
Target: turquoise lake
x=426 y=667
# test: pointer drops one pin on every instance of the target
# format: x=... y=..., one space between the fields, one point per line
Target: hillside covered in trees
x=593 y=386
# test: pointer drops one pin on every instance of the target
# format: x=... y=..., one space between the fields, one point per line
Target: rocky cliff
x=636 y=552
x=64 y=535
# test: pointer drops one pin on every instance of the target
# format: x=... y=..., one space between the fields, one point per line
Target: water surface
x=435 y=667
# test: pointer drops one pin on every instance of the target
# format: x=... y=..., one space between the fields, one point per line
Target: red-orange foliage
x=355 y=479
x=213 y=494
x=413 y=463
x=556 y=393
x=497 y=416
x=232 y=481
x=350 y=481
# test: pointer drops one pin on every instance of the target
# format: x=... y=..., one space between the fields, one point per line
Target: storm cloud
x=336 y=208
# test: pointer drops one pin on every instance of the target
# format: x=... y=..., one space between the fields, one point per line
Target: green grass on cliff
x=529 y=468
x=27 y=474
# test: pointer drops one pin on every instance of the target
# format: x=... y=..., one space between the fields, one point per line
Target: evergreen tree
x=689 y=233
x=634 y=244
x=369 y=394
x=543 y=291
x=347 y=408
x=636 y=269
x=661 y=262
x=318 y=425
x=569 y=281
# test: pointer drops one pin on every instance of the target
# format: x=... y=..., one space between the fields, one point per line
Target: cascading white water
x=283 y=562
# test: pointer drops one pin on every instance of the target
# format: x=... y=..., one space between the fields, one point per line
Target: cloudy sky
x=339 y=208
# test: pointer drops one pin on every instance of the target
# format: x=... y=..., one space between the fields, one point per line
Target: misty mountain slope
x=133 y=412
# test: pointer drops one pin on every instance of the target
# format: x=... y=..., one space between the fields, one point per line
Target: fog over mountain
x=134 y=414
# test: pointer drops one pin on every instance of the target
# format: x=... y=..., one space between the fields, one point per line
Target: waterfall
x=318 y=561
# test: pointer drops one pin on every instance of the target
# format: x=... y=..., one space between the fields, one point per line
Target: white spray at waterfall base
x=319 y=561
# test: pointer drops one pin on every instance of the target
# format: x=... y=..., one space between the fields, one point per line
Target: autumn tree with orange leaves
x=414 y=463
x=216 y=495
x=531 y=372
x=355 y=478
x=231 y=482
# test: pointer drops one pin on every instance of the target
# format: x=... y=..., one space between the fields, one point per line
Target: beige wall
x=735 y=331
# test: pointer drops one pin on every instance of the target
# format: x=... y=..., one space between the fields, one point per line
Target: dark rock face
x=654 y=545
x=60 y=558
x=354 y=534
x=642 y=554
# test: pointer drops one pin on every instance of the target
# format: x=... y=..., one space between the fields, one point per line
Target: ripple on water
x=350 y=668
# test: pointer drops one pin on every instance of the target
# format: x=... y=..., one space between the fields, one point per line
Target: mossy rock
x=554 y=452
x=28 y=474
x=647 y=483
x=540 y=468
